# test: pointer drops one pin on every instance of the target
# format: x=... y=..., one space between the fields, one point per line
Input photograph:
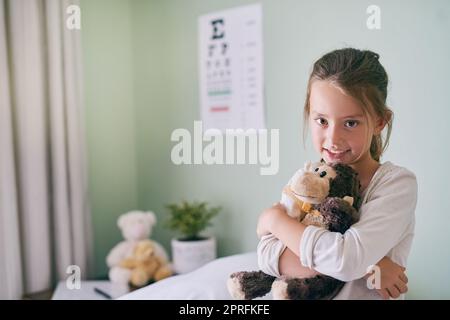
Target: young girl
x=346 y=111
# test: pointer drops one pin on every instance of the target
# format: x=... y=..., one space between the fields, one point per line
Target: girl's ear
x=381 y=122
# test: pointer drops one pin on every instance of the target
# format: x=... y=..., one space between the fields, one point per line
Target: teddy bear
x=135 y=226
x=144 y=265
x=319 y=194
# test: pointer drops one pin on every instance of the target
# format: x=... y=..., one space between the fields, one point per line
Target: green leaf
x=190 y=219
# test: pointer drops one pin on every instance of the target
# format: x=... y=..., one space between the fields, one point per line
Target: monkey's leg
x=245 y=285
x=320 y=287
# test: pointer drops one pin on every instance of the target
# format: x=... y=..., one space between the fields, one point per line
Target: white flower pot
x=190 y=255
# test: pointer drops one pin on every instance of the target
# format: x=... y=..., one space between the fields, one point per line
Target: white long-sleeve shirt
x=385 y=228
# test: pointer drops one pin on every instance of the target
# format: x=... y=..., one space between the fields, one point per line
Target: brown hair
x=359 y=74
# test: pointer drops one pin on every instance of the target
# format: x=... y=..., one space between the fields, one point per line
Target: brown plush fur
x=346 y=183
x=255 y=283
x=338 y=214
x=313 y=288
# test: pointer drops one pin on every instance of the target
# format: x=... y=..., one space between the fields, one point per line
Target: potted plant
x=191 y=250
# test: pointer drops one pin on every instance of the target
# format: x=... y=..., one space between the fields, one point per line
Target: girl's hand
x=393 y=279
x=268 y=218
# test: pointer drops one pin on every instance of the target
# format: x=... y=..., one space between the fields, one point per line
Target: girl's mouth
x=336 y=155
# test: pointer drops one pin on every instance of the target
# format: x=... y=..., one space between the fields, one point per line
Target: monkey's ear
x=307 y=166
x=349 y=200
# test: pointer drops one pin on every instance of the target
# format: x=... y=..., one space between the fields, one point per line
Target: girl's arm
x=393 y=281
x=269 y=251
x=274 y=257
x=287 y=229
x=289 y=265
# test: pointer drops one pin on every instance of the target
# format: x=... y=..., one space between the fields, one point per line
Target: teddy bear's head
x=136 y=225
x=317 y=181
x=143 y=250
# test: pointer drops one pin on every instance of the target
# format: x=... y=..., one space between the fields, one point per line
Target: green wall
x=142 y=82
x=110 y=119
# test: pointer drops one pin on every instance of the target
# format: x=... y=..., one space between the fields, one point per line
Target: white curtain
x=45 y=221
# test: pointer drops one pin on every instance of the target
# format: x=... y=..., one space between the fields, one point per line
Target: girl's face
x=339 y=128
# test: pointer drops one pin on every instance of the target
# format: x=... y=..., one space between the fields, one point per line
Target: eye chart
x=231 y=69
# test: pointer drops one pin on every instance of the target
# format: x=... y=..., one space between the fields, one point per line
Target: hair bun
x=371 y=55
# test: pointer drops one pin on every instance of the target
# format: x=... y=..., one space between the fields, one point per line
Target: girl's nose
x=334 y=137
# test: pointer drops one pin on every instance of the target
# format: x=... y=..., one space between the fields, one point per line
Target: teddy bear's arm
x=128 y=263
x=117 y=254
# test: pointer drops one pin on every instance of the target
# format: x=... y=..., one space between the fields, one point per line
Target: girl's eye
x=351 y=123
x=321 y=121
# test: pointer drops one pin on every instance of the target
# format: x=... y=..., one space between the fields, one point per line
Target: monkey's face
x=312 y=183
